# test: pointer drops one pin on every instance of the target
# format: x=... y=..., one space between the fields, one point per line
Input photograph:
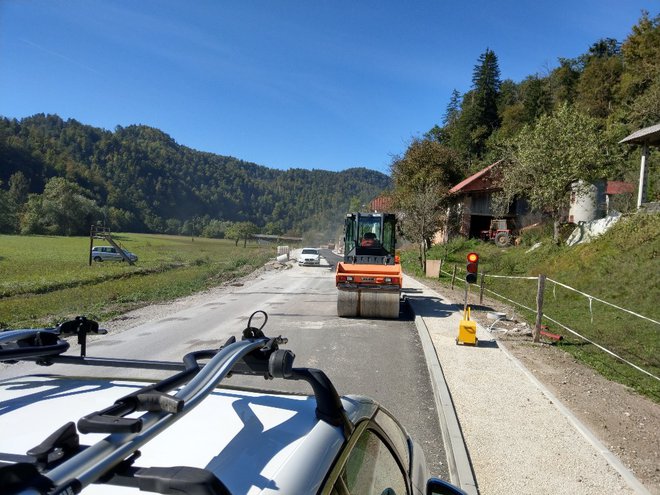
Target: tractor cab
x=369 y=238
x=369 y=279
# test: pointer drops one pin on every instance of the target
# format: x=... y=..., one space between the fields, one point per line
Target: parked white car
x=109 y=253
x=309 y=256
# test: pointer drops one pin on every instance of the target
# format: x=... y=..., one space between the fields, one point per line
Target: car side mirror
x=436 y=486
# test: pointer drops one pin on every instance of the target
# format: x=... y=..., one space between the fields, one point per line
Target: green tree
x=481 y=115
x=548 y=157
x=453 y=110
x=640 y=82
x=8 y=217
x=248 y=229
x=120 y=220
x=63 y=209
x=598 y=85
x=536 y=99
x=604 y=48
x=215 y=229
x=273 y=228
x=422 y=178
x=233 y=232
x=19 y=187
x=563 y=81
x=524 y=104
x=355 y=205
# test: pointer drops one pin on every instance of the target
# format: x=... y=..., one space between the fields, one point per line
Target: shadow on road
x=432 y=306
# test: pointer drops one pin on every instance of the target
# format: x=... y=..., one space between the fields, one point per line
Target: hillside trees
x=241 y=230
x=62 y=209
x=467 y=129
x=640 y=81
x=8 y=220
x=547 y=157
x=144 y=181
x=598 y=83
x=422 y=178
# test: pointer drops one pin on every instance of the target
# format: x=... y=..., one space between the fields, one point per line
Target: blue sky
x=285 y=84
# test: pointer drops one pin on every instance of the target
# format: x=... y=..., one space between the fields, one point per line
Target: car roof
x=291 y=440
x=246 y=438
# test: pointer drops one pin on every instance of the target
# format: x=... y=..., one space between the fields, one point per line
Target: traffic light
x=472 y=268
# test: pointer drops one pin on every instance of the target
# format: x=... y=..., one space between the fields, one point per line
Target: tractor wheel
x=502 y=239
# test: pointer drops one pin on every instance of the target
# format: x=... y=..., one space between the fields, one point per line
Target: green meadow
x=47 y=279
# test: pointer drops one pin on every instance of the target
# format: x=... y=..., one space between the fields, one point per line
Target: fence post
x=536 y=333
x=440 y=271
x=453 y=277
x=481 y=291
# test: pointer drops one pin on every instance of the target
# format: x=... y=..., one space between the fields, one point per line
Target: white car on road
x=309 y=256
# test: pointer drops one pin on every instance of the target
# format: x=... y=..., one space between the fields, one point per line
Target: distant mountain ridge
x=148 y=182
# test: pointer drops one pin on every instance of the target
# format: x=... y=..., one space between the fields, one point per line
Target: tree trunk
x=555 y=231
x=423 y=255
x=245 y=241
x=236 y=242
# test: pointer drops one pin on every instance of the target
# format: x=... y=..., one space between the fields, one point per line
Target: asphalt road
x=382 y=359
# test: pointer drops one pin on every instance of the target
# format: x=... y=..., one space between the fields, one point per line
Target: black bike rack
x=45 y=346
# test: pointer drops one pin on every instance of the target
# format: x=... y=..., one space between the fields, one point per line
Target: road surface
x=382 y=359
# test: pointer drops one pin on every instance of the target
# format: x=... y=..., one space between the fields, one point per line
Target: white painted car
x=193 y=435
x=309 y=257
x=109 y=253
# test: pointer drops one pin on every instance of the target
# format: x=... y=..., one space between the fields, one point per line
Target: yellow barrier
x=467 y=330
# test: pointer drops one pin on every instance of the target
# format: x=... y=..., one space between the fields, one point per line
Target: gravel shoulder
x=627 y=423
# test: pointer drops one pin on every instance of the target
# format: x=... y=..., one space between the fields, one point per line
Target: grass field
x=621 y=267
x=46 y=279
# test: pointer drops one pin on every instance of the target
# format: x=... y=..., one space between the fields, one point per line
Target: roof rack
x=60 y=465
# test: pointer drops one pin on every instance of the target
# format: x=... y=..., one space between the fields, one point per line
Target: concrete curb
x=458 y=460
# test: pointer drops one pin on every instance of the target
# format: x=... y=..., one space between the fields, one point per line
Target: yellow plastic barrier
x=467 y=330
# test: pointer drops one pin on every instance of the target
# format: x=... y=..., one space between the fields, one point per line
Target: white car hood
x=245 y=438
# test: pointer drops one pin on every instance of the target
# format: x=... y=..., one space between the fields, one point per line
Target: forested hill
x=139 y=179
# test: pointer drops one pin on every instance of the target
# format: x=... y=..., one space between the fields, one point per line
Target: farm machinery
x=499 y=232
x=369 y=279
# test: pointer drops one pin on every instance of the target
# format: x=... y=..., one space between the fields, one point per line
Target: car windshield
x=310 y=251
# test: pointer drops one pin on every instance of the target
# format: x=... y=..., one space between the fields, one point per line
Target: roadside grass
x=620 y=267
x=46 y=279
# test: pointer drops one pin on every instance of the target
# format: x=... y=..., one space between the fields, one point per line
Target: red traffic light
x=472 y=268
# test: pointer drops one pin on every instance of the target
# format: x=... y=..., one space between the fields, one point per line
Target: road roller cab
x=369 y=279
